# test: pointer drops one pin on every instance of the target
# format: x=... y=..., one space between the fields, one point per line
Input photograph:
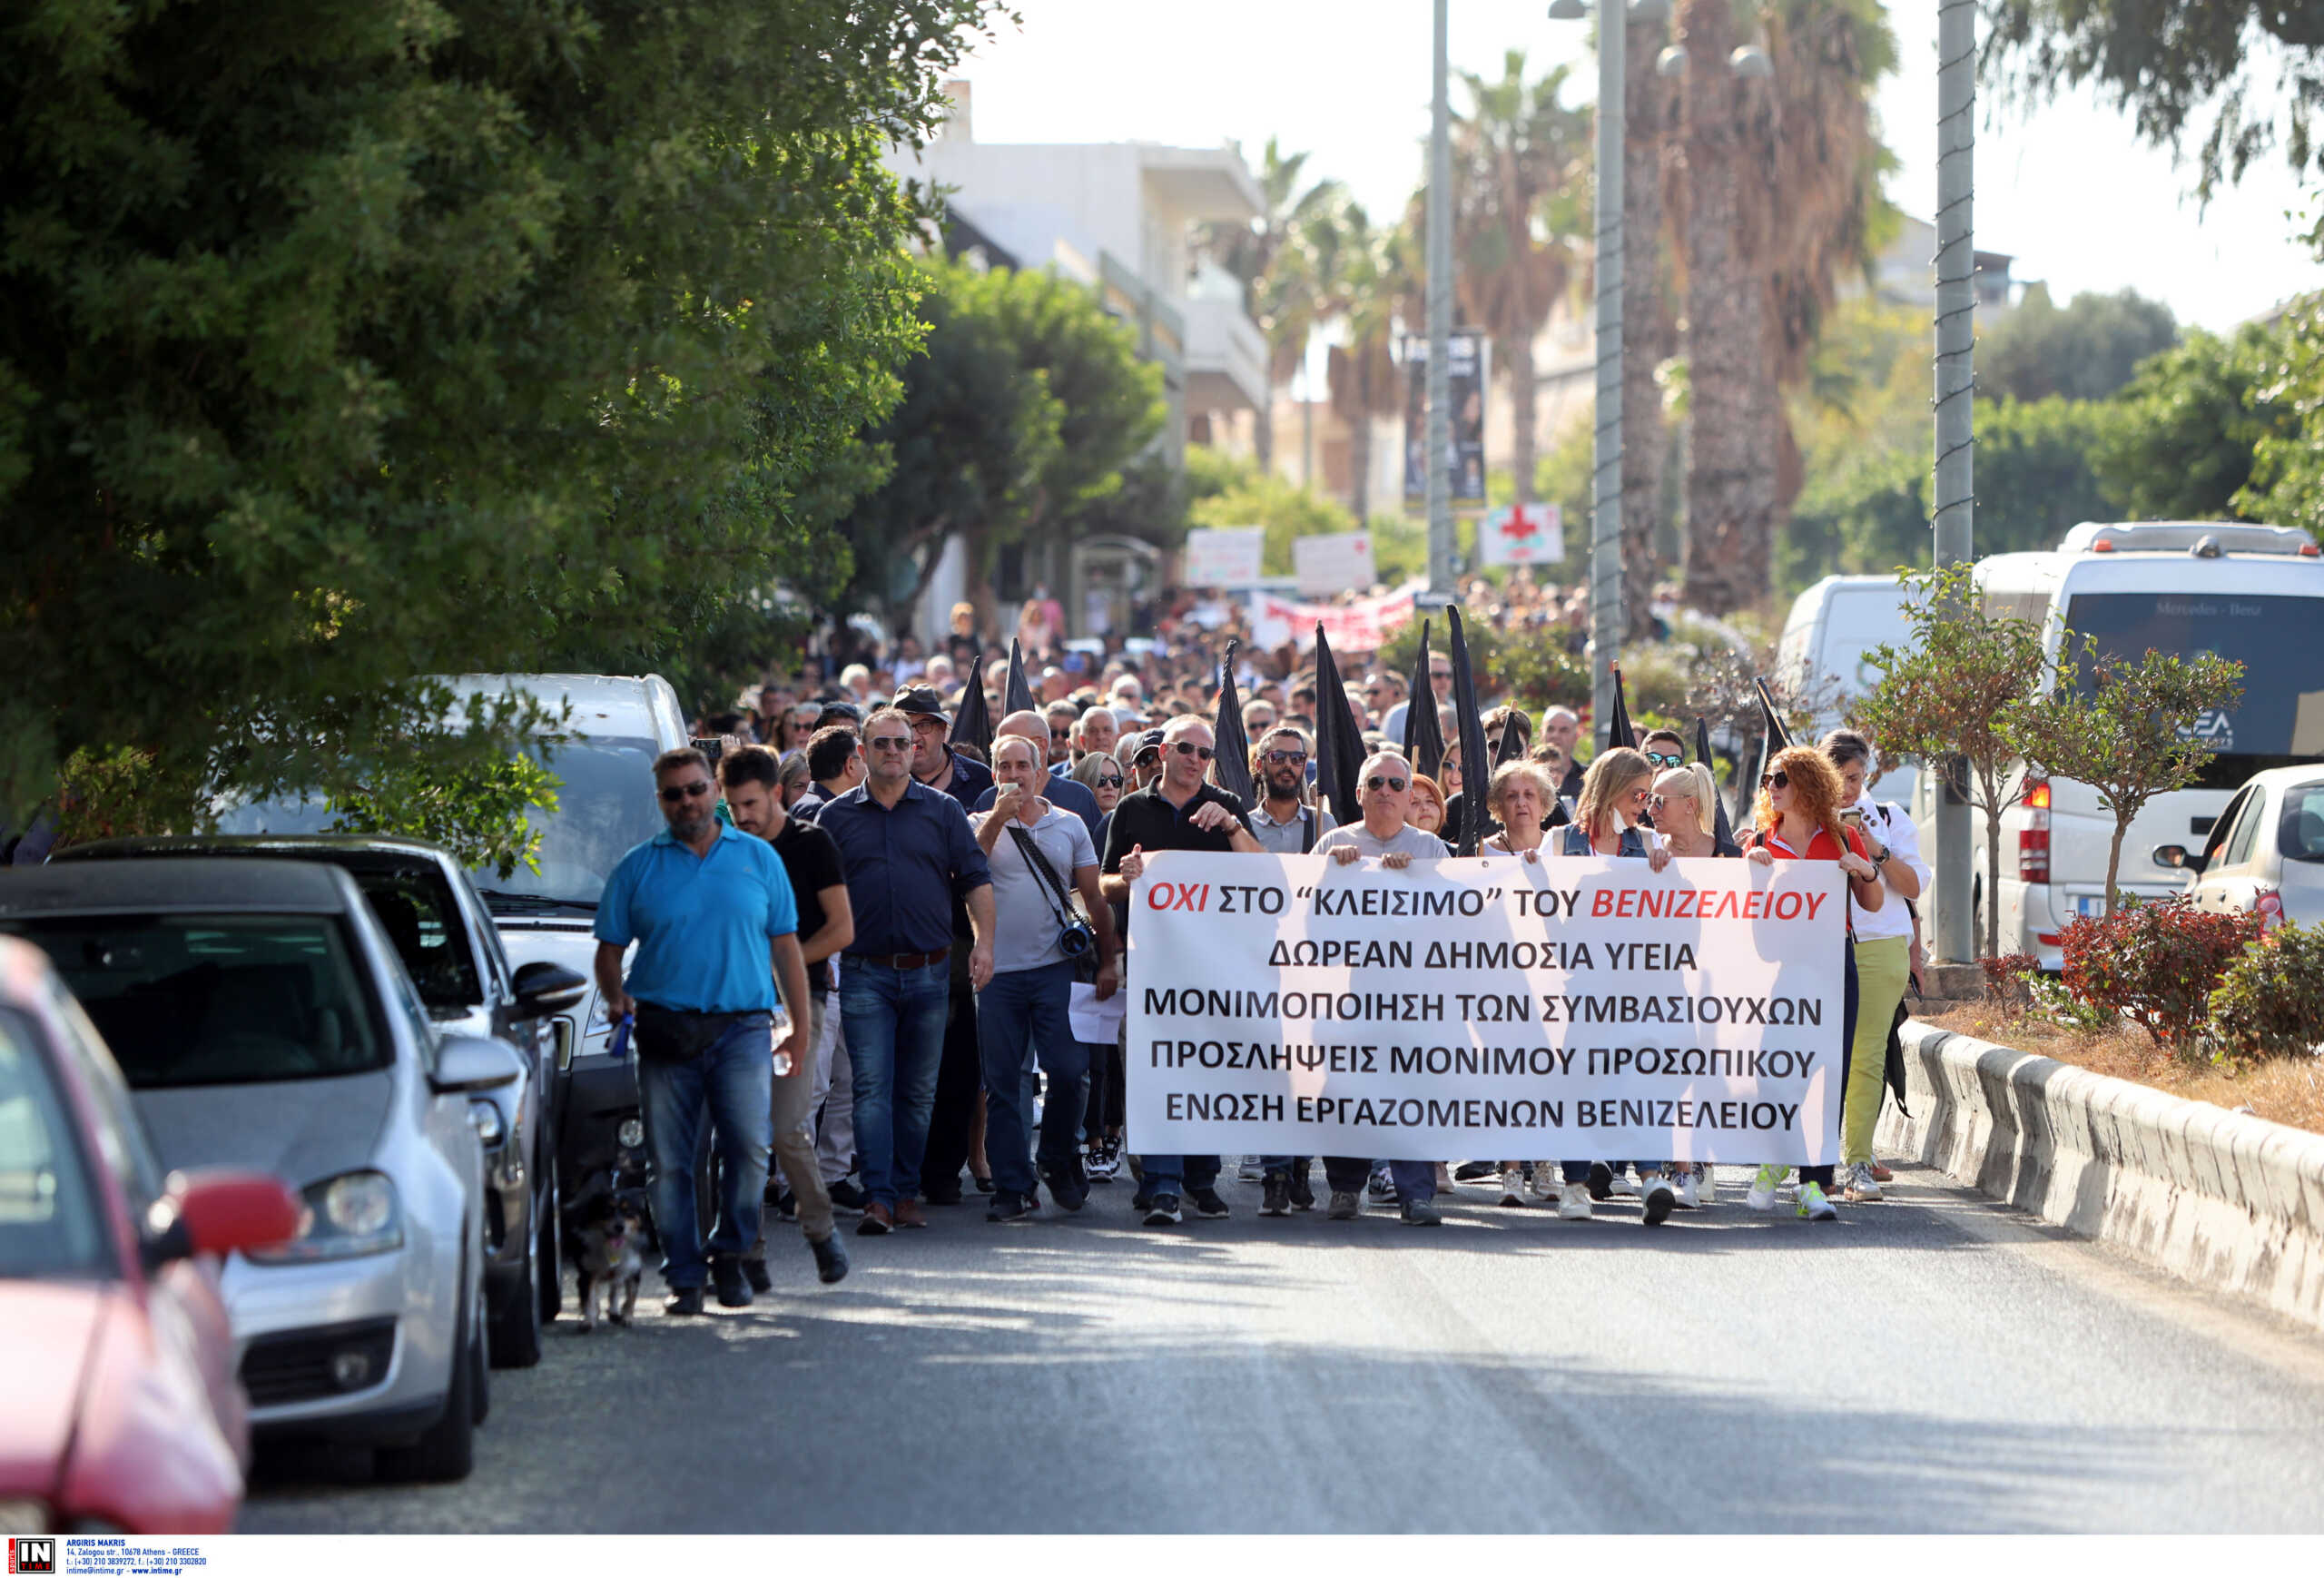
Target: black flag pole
x=1019 y=696
x=1620 y=735
x=1339 y=744
x=972 y=719
x=1725 y=832
x=1230 y=769
x=1423 y=732
x=1476 y=771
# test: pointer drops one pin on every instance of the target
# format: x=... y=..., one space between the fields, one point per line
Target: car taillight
x=2037 y=794
x=2034 y=839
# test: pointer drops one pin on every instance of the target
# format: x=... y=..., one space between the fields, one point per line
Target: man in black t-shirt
x=751 y=777
x=1177 y=811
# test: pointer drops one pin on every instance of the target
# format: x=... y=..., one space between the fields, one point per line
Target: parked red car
x=118 y=1409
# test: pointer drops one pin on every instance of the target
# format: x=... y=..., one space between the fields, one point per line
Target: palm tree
x=1779 y=184
x=1278 y=287
x=1360 y=270
x=1520 y=186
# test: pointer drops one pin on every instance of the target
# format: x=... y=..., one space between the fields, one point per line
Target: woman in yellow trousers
x=1883 y=942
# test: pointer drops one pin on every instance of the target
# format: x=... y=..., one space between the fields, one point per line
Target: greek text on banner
x=1564 y=1009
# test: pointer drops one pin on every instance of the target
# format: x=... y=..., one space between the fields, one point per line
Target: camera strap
x=1052 y=886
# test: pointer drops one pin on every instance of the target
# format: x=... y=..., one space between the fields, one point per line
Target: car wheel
x=447 y=1450
x=480 y=1386
x=516 y=1326
x=550 y=1255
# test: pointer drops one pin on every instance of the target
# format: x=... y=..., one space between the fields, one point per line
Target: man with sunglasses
x=1146 y=760
x=1283 y=822
x=710 y=908
x=910 y=857
x=934 y=762
x=1178 y=811
x=1664 y=750
x=1385 y=791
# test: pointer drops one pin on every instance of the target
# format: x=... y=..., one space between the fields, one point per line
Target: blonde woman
x=1685 y=805
x=1521 y=796
x=1614 y=795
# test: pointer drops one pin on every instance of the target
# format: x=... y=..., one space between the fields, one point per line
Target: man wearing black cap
x=934 y=762
x=1146 y=760
x=959 y=1075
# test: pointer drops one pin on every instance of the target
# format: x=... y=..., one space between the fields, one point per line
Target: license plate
x=2090 y=904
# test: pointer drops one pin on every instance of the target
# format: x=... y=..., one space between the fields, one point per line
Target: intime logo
x=33 y=1554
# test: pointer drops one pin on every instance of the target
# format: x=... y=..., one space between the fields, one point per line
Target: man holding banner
x=1383 y=788
x=1178 y=811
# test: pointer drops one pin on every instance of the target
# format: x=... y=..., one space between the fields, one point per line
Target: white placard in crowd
x=1229 y=559
x=1522 y=534
x=1363 y=625
x=1338 y=561
x=1568 y=1009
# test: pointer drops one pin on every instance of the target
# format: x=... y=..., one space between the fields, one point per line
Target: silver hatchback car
x=263 y=1020
x=2266 y=850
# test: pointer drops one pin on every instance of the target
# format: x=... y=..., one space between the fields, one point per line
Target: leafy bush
x=2157 y=963
x=2009 y=979
x=2270 y=1002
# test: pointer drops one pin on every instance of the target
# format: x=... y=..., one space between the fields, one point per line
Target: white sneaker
x=1860 y=1184
x=1512 y=1185
x=1659 y=1197
x=1625 y=1187
x=1548 y=1183
x=1706 y=1185
x=1690 y=1196
x=1762 y=1195
x=1251 y=1171
x=1574 y=1206
x=1814 y=1206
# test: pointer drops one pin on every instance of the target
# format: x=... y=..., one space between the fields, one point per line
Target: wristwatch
x=1882 y=858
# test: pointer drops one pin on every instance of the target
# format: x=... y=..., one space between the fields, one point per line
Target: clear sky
x=2069 y=191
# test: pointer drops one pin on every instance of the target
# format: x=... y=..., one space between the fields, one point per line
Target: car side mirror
x=468 y=1064
x=543 y=988
x=215 y=1210
x=2171 y=856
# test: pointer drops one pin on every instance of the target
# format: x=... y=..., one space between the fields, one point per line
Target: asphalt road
x=1935 y=1363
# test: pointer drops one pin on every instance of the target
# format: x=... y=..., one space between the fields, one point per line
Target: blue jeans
x=1171 y=1175
x=735 y=1081
x=894 y=1021
x=1021 y=1015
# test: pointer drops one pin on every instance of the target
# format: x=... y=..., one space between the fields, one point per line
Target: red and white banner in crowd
x=1567 y=1010
x=1363 y=626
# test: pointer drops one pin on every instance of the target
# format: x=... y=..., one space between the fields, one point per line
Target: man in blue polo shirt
x=708 y=906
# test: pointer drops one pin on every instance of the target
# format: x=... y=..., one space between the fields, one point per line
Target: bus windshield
x=2278 y=721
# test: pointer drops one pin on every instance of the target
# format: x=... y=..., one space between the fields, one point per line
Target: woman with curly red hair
x=1799 y=818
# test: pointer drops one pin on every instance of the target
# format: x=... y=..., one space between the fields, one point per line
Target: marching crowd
x=933 y=912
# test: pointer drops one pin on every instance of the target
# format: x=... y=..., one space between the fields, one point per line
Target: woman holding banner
x=1685 y=806
x=1605 y=822
x=1799 y=818
x=1883 y=949
x=1519 y=800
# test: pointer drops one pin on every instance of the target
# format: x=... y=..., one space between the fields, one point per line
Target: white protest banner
x=1338 y=561
x=1580 y=1009
x=1522 y=534
x=1363 y=626
x=1229 y=559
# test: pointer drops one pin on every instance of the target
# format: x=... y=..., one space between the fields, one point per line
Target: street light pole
x=1440 y=317
x=1606 y=501
x=1955 y=922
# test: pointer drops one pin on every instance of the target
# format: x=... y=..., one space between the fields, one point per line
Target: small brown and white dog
x=609 y=1260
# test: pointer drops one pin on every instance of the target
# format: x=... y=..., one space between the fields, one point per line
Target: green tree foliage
x=1943 y=694
x=347 y=343
x=2180 y=446
x=1019 y=421
x=2286 y=485
x=1229 y=491
x=2125 y=729
x=2085 y=351
x=2183 y=68
x=477 y=812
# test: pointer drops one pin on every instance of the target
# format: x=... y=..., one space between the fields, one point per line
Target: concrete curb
x=2220 y=1198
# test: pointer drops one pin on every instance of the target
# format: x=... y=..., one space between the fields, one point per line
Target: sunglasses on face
x=1392 y=786
x=1188 y=748
x=1285 y=758
x=1107 y=780
x=890 y=742
x=1675 y=759
x=1638 y=796
x=677 y=792
x=1662 y=802
x=1776 y=781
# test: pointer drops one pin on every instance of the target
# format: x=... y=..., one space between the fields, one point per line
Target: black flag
x=1779 y=736
x=1515 y=736
x=1339 y=744
x=1620 y=735
x=1726 y=830
x=1230 y=769
x=1018 y=697
x=1476 y=770
x=1423 y=734
x=972 y=719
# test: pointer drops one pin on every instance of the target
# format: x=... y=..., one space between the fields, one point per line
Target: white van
x=2254 y=594
x=1821 y=657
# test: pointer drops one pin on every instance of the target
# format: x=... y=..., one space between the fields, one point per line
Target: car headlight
x=485 y=1119
x=340 y=1218
x=600 y=1021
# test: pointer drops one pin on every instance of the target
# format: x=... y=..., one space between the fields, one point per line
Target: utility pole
x=1606 y=497
x=1956 y=305
x=1440 y=318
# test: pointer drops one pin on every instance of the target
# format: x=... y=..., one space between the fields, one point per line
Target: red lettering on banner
x=1815 y=902
x=1601 y=903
